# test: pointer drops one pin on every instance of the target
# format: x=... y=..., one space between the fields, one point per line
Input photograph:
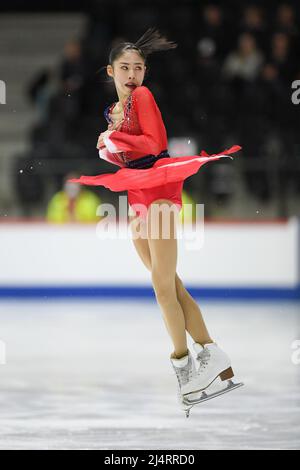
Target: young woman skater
x=136 y=140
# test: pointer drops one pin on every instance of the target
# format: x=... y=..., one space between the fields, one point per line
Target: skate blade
x=205 y=396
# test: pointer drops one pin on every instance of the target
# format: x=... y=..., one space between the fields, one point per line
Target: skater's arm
x=151 y=124
x=104 y=152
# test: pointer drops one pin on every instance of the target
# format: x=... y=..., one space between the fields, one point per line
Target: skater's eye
x=124 y=67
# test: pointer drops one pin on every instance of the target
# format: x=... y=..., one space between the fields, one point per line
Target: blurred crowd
x=229 y=81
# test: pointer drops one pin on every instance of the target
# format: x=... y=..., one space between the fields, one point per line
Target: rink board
x=227 y=260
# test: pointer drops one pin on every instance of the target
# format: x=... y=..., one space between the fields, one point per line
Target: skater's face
x=129 y=68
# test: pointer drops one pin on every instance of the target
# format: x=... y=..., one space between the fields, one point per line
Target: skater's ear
x=109 y=70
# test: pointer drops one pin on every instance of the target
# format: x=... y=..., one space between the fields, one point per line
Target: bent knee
x=164 y=287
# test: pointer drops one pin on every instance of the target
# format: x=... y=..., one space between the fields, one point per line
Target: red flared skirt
x=164 y=180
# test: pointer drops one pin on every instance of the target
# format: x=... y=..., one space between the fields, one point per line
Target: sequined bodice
x=128 y=115
x=142 y=132
x=130 y=124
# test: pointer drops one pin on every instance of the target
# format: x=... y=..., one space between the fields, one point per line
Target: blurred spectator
x=265 y=98
x=73 y=204
x=253 y=22
x=28 y=182
x=263 y=102
x=244 y=63
x=40 y=91
x=281 y=56
x=212 y=30
x=208 y=67
x=72 y=69
x=286 y=20
x=67 y=102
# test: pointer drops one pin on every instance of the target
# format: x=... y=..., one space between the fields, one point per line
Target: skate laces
x=203 y=357
x=184 y=374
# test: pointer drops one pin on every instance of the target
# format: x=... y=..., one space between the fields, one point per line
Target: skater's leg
x=142 y=247
x=194 y=322
x=163 y=253
x=141 y=243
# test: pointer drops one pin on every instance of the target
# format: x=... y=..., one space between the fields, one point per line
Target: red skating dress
x=140 y=148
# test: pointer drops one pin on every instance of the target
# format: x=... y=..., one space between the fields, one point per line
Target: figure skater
x=136 y=140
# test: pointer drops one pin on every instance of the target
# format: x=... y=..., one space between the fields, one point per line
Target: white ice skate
x=185 y=371
x=214 y=364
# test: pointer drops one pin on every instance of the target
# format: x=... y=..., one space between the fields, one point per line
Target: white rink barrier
x=253 y=260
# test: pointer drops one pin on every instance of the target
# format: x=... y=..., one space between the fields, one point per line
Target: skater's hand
x=102 y=136
x=115 y=126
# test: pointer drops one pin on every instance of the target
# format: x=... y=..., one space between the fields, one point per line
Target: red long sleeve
x=153 y=137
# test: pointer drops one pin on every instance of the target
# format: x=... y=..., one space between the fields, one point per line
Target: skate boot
x=214 y=363
x=199 y=350
x=185 y=371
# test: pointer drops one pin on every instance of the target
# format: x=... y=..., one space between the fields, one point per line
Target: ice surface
x=96 y=375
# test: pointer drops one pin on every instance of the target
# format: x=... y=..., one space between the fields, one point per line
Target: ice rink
x=96 y=375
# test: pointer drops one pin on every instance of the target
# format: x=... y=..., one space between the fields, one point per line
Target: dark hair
x=151 y=41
